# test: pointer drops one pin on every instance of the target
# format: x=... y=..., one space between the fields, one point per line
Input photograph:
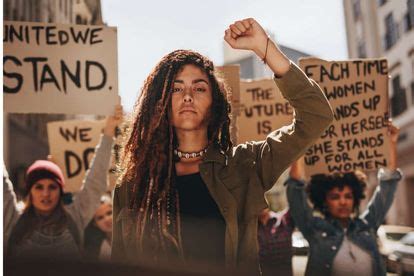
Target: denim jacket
x=325 y=236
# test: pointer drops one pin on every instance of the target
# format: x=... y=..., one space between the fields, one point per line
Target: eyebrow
x=193 y=82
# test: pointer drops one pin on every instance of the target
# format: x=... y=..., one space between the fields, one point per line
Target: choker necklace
x=188 y=155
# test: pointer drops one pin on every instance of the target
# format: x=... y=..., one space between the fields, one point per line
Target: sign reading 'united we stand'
x=59 y=68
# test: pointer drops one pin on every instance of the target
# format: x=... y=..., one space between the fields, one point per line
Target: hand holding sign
x=113 y=121
x=393 y=132
x=297 y=169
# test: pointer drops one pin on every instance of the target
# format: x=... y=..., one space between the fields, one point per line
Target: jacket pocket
x=238 y=175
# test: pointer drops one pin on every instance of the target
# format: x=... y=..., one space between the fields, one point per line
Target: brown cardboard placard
x=59 y=68
x=263 y=109
x=231 y=75
x=358 y=93
x=72 y=145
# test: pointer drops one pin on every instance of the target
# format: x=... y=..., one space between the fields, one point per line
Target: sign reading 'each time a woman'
x=358 y=93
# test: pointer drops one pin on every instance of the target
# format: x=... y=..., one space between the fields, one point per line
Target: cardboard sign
x=263 y=109
x=358 y=93
x=231 y=75
x=72 y=145
x=59 y=68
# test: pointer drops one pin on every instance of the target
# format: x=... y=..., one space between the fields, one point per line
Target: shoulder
x=246 y=150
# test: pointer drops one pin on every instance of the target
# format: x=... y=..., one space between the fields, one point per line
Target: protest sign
x=59 y=68
x=72 y=145
x=358 y=93
x=262 y=110
x=231 y=75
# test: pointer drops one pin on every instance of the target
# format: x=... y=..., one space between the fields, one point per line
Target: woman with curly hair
x=188 y=195
x=343 y=241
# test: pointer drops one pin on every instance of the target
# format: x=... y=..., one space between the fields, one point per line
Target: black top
x=202 y=225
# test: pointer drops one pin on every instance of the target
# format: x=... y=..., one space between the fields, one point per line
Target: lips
x=46 y=201
x=187 y=110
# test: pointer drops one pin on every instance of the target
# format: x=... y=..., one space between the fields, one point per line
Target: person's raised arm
x=299 y=208
x=247 y=34
x=388 y=178
x=10 y=210
x=95 y=181
x=312 y=110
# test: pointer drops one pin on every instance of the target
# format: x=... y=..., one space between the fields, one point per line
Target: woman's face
x=191 y=99
x=340 y=203
x=103 y=218
x=45 y=196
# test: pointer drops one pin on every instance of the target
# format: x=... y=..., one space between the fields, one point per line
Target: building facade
x=385 y=28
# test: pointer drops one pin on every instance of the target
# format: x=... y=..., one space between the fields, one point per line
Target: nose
x=188 y=95
x=108 y=219
x=46 y=192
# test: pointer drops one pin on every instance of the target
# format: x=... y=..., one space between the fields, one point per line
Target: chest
x=40 y=244
x=185 y=168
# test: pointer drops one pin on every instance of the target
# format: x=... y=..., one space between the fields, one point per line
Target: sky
x=148 y=30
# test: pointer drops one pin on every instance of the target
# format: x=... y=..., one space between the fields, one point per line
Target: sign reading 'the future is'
x=59 y=68
x=262 y=110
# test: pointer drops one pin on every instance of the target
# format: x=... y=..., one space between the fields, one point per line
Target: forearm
x=311 y=106
x=312 y=115
x=383 y=197
x=10 y=210
x=298 y=205
x=95 y=182
x=273 y=57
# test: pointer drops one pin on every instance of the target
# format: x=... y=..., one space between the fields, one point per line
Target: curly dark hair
x=147 y=165
x=321 y=184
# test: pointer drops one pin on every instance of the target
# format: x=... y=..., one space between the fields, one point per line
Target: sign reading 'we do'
x=358 y=93
x=72 y=145
x=59 y=68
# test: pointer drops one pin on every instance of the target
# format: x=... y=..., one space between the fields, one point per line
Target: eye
x=177 y=89
x=349 y=196
x=200 y=89
x=333 y=196
x=53 y=187
x=98 y=218
x=38 y=187
x=109 y=213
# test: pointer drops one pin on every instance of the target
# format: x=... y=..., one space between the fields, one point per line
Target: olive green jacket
x=237 y=179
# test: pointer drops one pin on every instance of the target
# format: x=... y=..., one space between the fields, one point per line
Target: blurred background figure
x=343 y=241
x=275 y=242
x=98 y=233
x=47 y=227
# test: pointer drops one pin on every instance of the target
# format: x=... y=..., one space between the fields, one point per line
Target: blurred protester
x=275 y=242
x=46 y=227
x=98 y=233
x=343 y=242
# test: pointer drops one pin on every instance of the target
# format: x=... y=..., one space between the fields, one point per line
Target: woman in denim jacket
x=342 y=243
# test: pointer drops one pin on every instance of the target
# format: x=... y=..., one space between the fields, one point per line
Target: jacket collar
x=337 y=224
x=215 y=154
